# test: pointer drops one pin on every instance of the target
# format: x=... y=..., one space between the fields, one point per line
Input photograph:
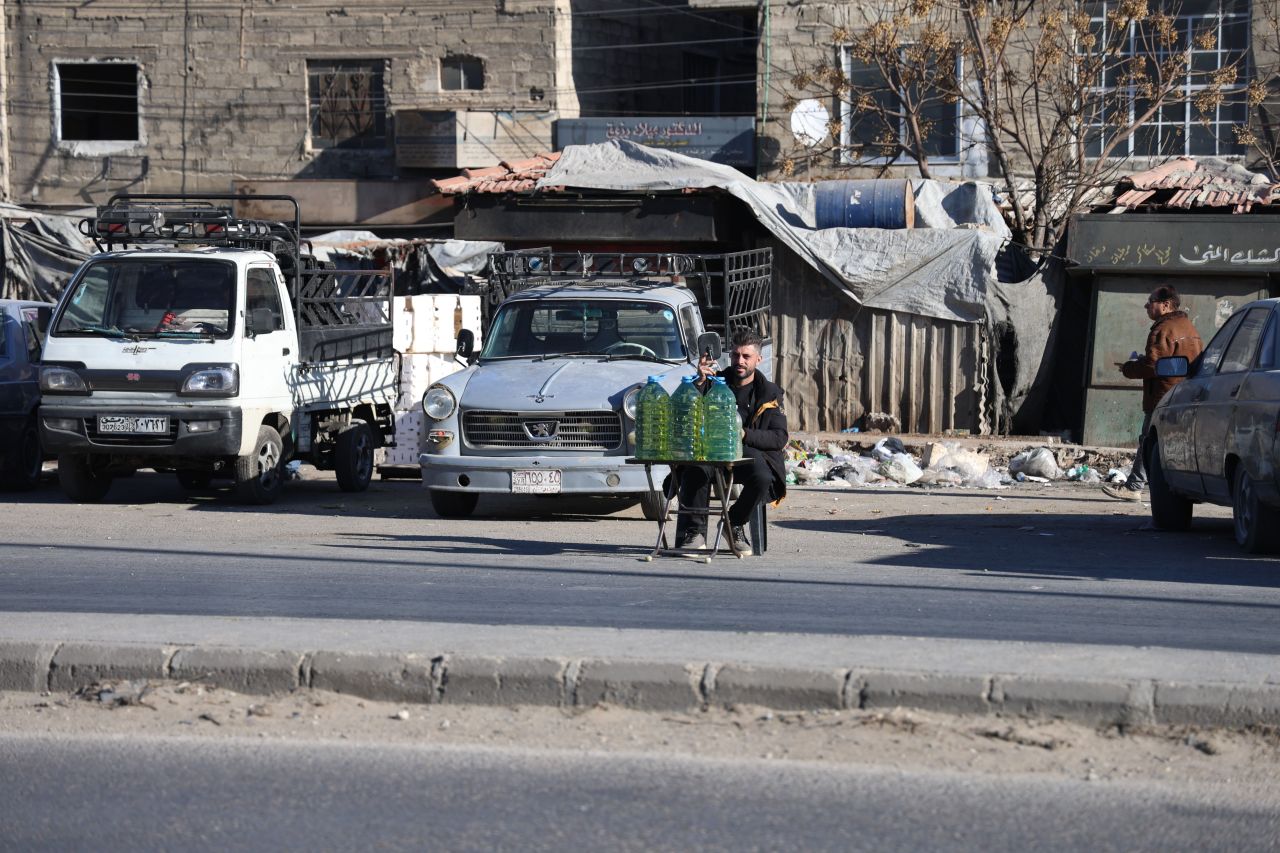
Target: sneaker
x=692 y=541
x=1122 y=493
x=739 y=539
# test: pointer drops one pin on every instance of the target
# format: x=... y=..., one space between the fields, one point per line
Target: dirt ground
x=1244 y=759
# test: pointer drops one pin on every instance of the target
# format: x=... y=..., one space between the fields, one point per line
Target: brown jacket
x=1172 y=334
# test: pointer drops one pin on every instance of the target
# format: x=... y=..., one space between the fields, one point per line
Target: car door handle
x=1235 y=390
x=284 y=351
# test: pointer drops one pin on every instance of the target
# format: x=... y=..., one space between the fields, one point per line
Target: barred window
x=875 y=115
x=348 y=103
x=97 y=101
x=1217 y=33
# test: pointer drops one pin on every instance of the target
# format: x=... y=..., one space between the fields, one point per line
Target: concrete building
x=352 y=107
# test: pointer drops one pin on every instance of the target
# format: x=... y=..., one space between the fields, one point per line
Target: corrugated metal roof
x=1187 y=182
x=507 y=177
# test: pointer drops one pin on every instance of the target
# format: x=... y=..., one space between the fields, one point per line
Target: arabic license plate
x=536 y=482
x=130 y=424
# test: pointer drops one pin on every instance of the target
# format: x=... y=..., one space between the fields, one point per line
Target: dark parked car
x=1214 y=435
x=22 y=328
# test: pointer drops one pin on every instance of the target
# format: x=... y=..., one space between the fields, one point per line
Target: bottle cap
x=655 y=378
x=719 y=379
x=689 y=379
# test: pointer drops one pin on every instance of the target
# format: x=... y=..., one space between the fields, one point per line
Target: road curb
x=427 y=678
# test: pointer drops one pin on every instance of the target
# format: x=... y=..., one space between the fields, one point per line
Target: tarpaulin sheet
x=421 y=266
x=942 y=270
x=41 y=253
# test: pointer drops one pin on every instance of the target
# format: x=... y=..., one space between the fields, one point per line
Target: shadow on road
x=1062 y=546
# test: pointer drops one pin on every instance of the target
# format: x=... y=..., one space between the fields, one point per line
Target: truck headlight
x=222 y=380
x=629 y=402
x=61 y=380
x=438 y=403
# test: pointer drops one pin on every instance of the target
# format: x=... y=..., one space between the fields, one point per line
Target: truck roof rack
x=733 y=288
x=137 y=219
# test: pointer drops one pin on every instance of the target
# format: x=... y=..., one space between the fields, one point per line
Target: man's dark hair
x=747 y=338
x=1165 y=293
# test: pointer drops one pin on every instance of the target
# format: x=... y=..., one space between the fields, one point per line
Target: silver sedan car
x=1214 y=435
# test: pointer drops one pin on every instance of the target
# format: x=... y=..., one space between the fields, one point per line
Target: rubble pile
x=943 y=463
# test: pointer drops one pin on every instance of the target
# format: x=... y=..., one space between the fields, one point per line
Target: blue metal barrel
x=881 y=203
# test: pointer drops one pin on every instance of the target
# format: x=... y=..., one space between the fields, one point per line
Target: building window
x=1217 y=32
x=348 y=103
x=97 y=101
x=875 y=118
x=461 y=72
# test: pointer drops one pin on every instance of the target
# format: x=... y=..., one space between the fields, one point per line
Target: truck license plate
x=546 y=482
x=127 y=423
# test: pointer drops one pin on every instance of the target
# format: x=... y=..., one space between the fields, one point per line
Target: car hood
x=562 y=383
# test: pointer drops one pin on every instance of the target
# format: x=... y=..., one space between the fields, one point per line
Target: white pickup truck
x=215 y=349
x=548 y=406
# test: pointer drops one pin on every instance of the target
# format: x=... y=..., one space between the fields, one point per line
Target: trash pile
x=946 y=463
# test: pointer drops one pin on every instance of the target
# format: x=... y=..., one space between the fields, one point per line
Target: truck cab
x=222 y=360
x=548 y=406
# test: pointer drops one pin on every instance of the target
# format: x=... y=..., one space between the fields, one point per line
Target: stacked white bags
x=425 y=334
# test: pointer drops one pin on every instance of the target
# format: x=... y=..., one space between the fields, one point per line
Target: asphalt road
x=186 y=793
x=1060 y=564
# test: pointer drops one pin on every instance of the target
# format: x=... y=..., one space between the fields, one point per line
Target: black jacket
x=766 y=428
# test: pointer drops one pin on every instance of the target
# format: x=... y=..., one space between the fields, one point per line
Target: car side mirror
x=1171 y=366
x=258 y=321
x=466 y=345
x=709 y=344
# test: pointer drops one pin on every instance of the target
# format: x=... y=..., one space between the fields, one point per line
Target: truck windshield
x=607 y=327
x=151 y=297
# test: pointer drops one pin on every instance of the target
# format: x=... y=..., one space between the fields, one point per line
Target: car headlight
x=629 y=402
x=215 y=381
x=61 y=380
x=438 y=403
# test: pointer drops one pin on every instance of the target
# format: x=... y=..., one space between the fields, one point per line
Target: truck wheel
x=652 y=504
x=28 y=459
x=82 y=479
x=353 y=457
x=453 y=504
x=1255 y=522
x=1168 y=510
x=260 y=475
x=195 y=480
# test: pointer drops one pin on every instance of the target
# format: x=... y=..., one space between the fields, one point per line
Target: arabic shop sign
x=1178 y=243
x=729 y=140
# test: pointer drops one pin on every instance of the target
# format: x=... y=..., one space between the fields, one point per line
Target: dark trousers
x=695 y=491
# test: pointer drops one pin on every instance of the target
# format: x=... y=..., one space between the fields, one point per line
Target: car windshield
x=151 y=297
x=606 y=327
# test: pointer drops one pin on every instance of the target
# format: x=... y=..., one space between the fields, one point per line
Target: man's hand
x=706 y=368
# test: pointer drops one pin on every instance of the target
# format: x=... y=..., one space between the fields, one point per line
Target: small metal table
x=721 y=488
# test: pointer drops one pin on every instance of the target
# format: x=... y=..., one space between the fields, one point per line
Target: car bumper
x=594 y=475
x=181 y=442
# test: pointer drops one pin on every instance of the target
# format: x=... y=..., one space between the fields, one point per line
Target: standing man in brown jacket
x=1172 y=333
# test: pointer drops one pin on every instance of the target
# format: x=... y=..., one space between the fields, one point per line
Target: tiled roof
x=1186 y=183
x=515 y=176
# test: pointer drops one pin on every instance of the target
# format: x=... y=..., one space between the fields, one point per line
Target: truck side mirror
x=1171 y=365
x=257 y=321
x=466 y=345
x=709 y=343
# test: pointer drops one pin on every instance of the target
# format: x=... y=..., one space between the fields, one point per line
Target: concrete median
x=642 y=669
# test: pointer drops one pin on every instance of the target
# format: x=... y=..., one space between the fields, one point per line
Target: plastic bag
x=1036 y=463
x=940 y=477
x=887 y=447
x=900 y=468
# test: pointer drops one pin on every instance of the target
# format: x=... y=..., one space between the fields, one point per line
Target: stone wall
x=222 y=91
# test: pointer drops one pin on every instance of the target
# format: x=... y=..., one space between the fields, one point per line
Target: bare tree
x=1064 y=92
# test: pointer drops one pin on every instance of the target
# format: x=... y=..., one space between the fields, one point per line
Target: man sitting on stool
x=764 y=436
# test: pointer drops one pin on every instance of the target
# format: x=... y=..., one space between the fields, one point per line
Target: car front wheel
x=1255 y=522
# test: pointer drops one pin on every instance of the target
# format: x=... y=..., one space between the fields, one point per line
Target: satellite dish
x=809 y=122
